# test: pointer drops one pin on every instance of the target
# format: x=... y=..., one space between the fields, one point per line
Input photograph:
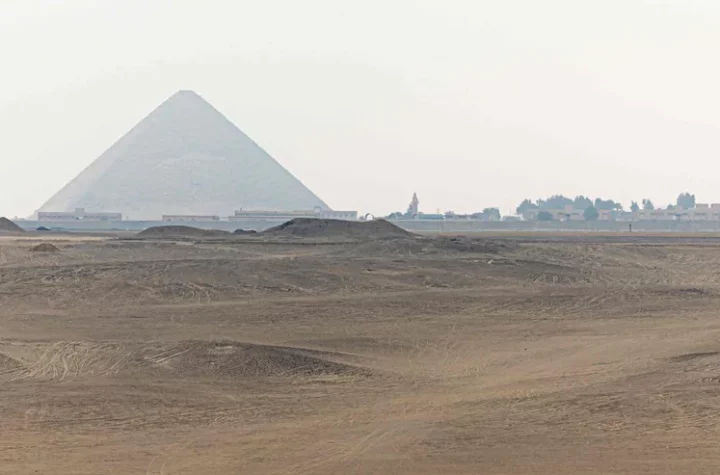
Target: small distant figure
x=630 y=225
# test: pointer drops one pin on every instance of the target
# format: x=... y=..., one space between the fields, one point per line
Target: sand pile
x=231 y=359
x=44 y=247
x=8 y=226
x=309 y=227
x=181 y=231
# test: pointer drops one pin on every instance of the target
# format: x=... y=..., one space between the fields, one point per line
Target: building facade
x=78 y=215
x=272 y=215
x=188 y=218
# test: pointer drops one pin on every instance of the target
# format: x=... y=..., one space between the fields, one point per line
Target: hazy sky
x=471 y=103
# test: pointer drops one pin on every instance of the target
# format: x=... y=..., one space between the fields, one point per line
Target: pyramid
x=184 y=158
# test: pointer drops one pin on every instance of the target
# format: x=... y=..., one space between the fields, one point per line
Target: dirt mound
x=309 y=227
x=231 y=359
x=180 y=231
x=44 y=247
x=8 y=226
x=243 y=232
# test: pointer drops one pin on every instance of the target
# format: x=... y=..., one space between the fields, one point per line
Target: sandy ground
x=159 y=357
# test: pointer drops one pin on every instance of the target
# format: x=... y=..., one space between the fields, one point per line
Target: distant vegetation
x=561 y=202
x=686 y=200
x=544 y=216
x=582 y=203
x=590 y=208
x=591 y=214
x=487 y=214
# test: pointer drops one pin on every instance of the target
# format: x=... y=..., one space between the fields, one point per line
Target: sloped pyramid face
x=184 y=158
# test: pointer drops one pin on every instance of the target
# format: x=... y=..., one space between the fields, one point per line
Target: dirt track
x=400 y=356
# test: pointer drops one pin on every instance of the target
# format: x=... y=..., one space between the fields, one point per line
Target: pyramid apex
x=186 y=94
x=185 y=98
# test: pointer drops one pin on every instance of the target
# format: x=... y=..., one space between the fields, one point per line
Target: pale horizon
x=469 y=104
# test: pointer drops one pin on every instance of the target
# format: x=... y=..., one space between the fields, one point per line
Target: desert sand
x=301 y=354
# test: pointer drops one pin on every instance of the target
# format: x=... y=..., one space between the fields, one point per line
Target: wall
x=424 y=226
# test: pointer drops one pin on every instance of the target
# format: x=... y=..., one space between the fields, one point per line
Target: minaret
x=414 y=207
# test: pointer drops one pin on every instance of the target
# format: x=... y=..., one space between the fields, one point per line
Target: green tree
x=555 y=202
x=634 y=207
x=525 y=206
x=608 y=205
x=491 y=214
x=647 y=204
x=591 y=214
x=544 y=216
x=582 y=202
x=686 y=201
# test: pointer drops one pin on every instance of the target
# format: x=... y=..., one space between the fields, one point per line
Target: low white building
x=189 y=218
x=78 y=215
x=274 y=215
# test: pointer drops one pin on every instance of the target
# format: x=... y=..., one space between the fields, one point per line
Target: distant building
x=273 y=215
x=431 y=216
x=78 y=215
x=464 y=217
x=701 y=212
x=568 y=213
x=188 y=218
x=344 y=215
x=656 y=215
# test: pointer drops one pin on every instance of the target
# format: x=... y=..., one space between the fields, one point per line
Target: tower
x=414 y=207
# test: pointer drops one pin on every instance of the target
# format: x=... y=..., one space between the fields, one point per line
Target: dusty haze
x=469 y=103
